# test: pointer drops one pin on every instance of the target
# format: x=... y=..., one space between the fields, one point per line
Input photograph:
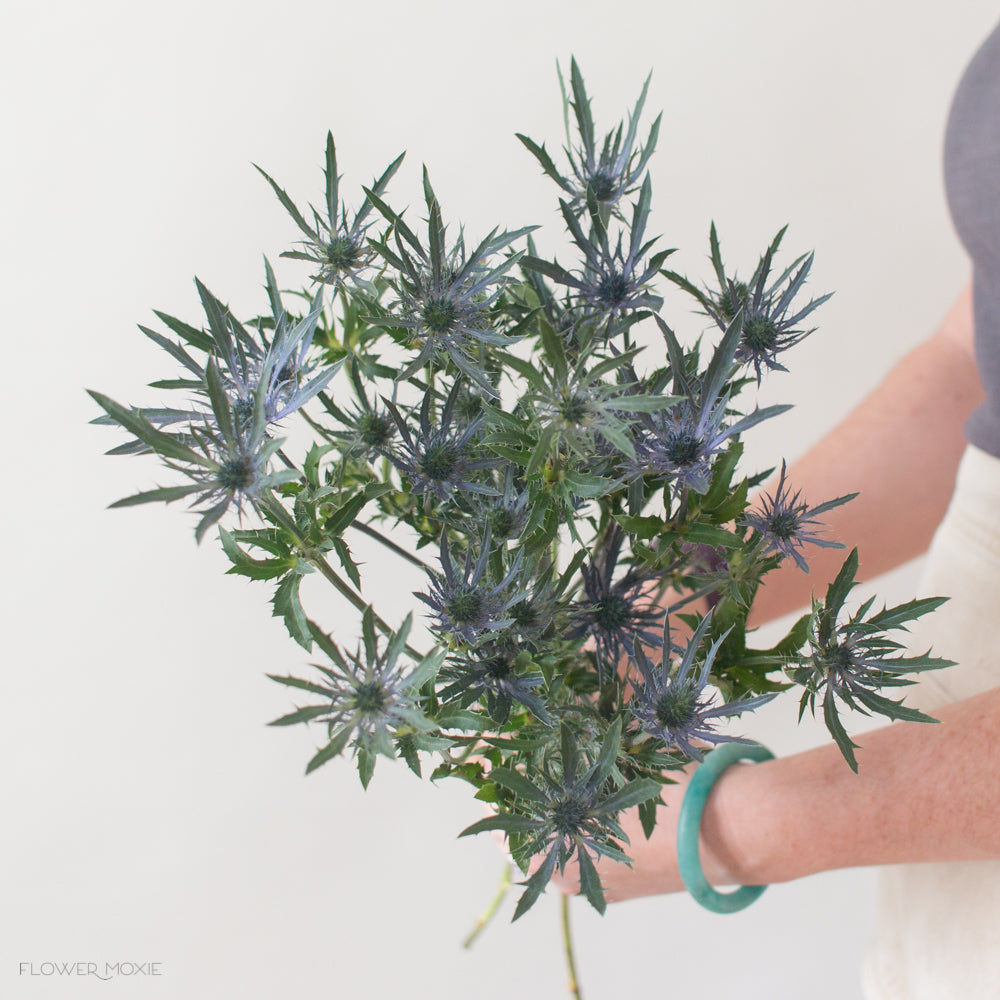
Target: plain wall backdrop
x=148 y=813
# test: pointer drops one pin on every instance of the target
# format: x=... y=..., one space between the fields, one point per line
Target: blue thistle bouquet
x=486 y=404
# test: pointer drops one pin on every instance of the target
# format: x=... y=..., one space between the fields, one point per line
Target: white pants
x=937 y=933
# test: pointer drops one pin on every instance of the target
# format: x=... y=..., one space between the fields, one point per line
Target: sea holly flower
x=850 y=661
x=227 y=460
x=239 y=474
x=440 y=460
x=368 y=697
x=681 y=443
x=369 y=430
x=611 y=281
x=469 y=603
x=506 y=513
x=248 y=360
x=768 y=327
x=606 y=174
x=566 y=814
x=785 y=523
x=446 y=295
x=249 y=382
x=339 y=247
x=542 y=611
x=471 y=400
x=672 y=703
x=615 y=613
x=497 y=674
x=281 y=369
x=575 y=407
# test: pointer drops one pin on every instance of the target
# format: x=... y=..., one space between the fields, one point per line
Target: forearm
x=900 y=450
x=923 y=793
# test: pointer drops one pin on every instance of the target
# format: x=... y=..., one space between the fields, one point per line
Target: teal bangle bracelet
x=689 y=826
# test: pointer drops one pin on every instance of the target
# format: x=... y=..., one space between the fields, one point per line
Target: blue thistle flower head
x=672 y=703
x=616 y=280
x=286 y=369
x=339 y=247
x=250 y=381
x=236 y=454
x=613 y=281
x=238 y=474
x=849 y=661
x=507 y=513
x=446 y=294
x=367 y=696
x=225 y=457
x=771 y=325
x=369 y=430
x=571 y=810
x=607 y=172
x=681 y=442
x=497 y=674
x=680 y=445
x=439 y=460
x=468 y=603
x=615 y=613
x=577 y=408
x=540 y=613
x=785 y=523
x=250 y=361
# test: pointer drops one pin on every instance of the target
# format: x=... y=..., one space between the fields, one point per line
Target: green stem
x=357 y=600
x=681 y=516
x=275 y=508
x=318 y=428
x=573 y=985
x=491 y=911
x=694 y=595
x=364 y=528
x=367 y=529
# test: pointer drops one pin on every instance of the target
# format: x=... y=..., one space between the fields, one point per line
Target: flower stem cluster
x=566 y=476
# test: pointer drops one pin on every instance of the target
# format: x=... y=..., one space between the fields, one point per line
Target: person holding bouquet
x=924 y=452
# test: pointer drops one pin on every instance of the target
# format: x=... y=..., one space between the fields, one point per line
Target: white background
x=148 y=813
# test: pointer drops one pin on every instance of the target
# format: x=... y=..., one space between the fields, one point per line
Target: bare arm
x=923 y=793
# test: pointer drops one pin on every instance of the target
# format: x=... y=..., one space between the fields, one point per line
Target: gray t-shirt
x=972 y=181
